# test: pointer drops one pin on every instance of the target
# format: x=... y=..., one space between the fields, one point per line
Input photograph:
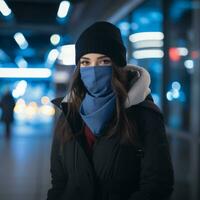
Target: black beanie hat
x=102 y=37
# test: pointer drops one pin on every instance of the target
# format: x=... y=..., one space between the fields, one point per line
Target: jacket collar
x=139 y=89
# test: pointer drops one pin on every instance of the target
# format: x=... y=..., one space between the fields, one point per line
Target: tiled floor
x=185 y=186
x=24 y=168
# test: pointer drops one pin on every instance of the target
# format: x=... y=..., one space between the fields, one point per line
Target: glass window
x=142 y=31
x=180 y=65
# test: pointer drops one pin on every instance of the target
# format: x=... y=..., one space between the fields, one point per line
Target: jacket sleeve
x=58 y=175
x=156 y=178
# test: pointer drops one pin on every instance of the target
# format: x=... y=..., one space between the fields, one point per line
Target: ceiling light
x=4 y=9
x=21 y=40
x=63 y=9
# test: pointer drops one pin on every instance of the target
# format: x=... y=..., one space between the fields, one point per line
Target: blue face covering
x=98 y=105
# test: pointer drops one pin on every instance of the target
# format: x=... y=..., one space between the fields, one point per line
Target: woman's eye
x=105 y=62
x=84 y=63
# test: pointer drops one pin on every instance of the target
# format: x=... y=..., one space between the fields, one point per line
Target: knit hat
x=102 y=37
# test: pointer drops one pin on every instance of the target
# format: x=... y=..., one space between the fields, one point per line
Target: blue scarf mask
x=98 y=105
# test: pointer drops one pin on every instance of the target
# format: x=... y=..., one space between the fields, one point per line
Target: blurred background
x=37 y=59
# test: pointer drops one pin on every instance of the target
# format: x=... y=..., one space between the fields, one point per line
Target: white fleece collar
x=139 y=90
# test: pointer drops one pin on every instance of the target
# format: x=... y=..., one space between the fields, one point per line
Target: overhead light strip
x=136 y=37
x=150 y=53
x=25 y=73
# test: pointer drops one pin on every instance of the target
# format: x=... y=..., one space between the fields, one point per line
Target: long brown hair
x=119 y=123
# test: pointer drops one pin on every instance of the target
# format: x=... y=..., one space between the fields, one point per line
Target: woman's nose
x=94 y=63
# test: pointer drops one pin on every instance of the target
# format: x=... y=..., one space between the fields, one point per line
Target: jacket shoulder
x=147 y=108
x=149 y=105
x=149 y=121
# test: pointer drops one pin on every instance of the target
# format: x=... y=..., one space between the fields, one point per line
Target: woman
x=110 y=141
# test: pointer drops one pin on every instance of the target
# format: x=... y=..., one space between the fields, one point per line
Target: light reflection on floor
x=24 y=170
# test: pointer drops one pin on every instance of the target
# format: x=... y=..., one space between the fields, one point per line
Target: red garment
x=89 y=136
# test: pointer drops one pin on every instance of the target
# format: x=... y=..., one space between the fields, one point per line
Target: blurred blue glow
x=144 y=20
x=156 y=67
x=156 y=15
x=179 y=7
x=169 y=96
x=20 y=89
x=21 y=62
x=175 y=120
x=124 y=27
x=156 y=98
x=176 y=85
x=3 y=56
x=55 y=39
x=134 y=26
x=175 y=92
x=182 y=96
x=189 y=64
x=21 y=40
x=28 y=52
x=52 y=56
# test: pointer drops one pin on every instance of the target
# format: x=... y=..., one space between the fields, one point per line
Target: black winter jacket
x=116 y=171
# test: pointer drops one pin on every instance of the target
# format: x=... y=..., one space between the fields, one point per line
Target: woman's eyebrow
x=85 y=58
x=103 y=57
